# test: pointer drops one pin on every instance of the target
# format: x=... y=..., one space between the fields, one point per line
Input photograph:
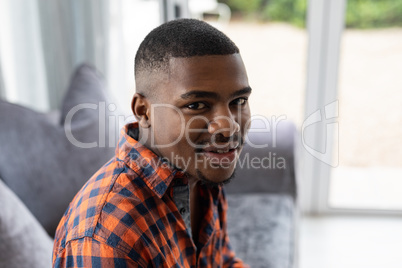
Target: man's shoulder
x=125 y=214
x=100 y=203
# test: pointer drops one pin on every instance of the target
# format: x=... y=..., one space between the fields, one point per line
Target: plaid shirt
x=125 y=216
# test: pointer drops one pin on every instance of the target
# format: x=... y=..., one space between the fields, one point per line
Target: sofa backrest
x=43 y=164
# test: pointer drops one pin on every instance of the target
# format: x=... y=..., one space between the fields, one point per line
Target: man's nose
x=224 y=123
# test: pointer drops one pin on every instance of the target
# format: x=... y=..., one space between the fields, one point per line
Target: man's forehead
x=175 y=61
x=222 y=74
x=210 y=66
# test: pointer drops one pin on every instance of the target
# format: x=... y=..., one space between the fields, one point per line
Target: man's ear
x=141 y=109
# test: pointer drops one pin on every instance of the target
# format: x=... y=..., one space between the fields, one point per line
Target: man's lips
x=221 y=155
x=220 y=148
x=222 y=158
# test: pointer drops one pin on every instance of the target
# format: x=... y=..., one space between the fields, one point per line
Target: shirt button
x=182 y=211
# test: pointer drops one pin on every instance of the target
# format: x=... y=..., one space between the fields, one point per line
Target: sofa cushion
x=46 y=161
x=261 y=229
x=23 y=241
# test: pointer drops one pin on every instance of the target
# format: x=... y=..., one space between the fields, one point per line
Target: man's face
x=199 y=119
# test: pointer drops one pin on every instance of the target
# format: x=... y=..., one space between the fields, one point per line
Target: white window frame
x=325 y=24
x=168 y=9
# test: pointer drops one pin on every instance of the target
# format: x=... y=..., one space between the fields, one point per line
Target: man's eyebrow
x=199 y=94
x=240 y=92
x=212 y=95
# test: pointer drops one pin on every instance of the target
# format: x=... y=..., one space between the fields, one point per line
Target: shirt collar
x=155 y=171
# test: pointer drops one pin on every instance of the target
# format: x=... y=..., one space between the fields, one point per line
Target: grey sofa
x=262 y=216
x=41 y=170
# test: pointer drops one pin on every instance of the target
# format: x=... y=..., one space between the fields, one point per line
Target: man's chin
x=215 y=181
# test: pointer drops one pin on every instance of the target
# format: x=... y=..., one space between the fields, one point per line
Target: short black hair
x=180 y=38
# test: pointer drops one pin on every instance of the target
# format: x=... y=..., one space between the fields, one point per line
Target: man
x=159 y=202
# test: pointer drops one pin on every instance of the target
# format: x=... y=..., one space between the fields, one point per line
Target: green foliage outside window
x=359 y=13
x=293 y=11
x=373 y=13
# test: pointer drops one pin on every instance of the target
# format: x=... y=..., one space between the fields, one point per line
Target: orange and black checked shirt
x=125 y=216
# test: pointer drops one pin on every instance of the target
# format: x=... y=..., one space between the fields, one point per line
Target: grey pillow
x=23 y=241
x=261 y=229
x=40 y=163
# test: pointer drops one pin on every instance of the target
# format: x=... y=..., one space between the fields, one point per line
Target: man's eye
x=196 y=106
x=239 y=101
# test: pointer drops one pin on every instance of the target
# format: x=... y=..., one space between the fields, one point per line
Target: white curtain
x=21 y=54
x=42 y=41
x=72 y=32
x=2 y=89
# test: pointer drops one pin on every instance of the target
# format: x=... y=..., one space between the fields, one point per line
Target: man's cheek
x=196 y=127
x=245 y=123
x=192 y=136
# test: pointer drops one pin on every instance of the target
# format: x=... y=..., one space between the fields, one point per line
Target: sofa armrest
x=23 y=241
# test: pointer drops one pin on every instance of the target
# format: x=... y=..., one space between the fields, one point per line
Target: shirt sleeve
x=88 y=252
